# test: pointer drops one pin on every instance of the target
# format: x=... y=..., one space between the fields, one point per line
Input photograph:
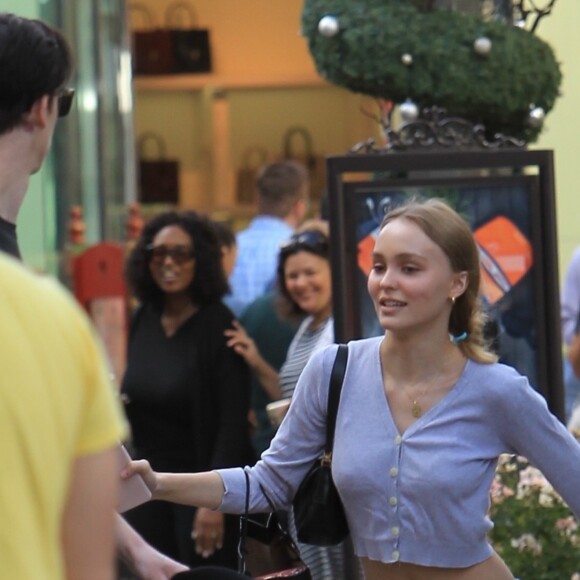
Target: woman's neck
x=410 y=358
x=320 y=318
x=177 y=305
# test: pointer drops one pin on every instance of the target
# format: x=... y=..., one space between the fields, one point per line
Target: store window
x=92 y=160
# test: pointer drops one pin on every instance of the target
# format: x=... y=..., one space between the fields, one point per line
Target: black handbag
x=190 y=45
x=318 y=509
x=158 y=178
x=266 y=550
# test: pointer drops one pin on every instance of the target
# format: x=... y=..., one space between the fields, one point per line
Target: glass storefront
x=92 y=161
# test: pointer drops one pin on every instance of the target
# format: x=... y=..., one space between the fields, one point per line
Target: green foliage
x=496 y=90
x=534 y=531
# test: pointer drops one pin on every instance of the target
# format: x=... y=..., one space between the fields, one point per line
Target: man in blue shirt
x=283 y=193
x=570 y=314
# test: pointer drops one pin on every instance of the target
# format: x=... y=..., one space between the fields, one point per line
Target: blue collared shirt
x=255 y=269
x=421 y=496
x=570 y=302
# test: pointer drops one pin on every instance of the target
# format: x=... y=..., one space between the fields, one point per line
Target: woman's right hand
x=142 y=468
x=240 y=341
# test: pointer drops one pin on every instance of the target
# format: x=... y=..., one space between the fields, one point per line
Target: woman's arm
x=245 y=346
x=196 y=489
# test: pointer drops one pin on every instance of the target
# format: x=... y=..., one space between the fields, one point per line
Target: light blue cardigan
x=421 y=496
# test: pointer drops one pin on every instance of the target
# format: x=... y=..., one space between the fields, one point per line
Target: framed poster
x=507 y=199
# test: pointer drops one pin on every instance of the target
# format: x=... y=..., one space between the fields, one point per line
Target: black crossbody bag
x=318 y=509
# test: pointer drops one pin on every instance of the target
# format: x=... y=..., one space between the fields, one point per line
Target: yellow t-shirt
x=56 y=404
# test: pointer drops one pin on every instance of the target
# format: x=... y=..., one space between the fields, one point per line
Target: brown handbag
x=297 y=144
x=159 y=177
x=266 y=550
x=253 y=159
x=152 y=47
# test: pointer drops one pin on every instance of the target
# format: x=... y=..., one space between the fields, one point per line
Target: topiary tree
x=472 y=60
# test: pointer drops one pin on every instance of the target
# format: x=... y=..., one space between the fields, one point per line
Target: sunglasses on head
x=179 y=254
x=64 y=101
x=309 y=240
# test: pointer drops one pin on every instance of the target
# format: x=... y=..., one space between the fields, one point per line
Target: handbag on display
x=190 y=44
x=159 y=177
x=152 y=48
x=318 y=510
x=253 y=158
x=304 y=152
x=266 y=550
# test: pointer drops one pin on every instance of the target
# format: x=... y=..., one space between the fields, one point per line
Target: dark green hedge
x=496 y=90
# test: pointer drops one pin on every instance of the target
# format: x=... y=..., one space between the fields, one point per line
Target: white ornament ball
x=407 y=59
x=328 y=26
x=536 y=116
x=482 y=46
x=409 y=111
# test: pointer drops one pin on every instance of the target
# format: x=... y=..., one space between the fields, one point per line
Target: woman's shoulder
x=498 y=382
x=359 y=350
x=217 y=311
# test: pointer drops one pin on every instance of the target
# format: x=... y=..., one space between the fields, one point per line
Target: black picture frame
x=504 y=195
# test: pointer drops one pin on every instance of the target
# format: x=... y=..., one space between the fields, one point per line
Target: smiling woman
x=186 y=392
x=304 y=282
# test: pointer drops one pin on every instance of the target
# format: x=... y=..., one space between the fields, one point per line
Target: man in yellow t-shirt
x=59 y=427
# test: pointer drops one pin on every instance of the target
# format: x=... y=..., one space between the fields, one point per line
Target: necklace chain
x=416 y=409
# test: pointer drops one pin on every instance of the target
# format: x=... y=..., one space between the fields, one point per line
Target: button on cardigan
x=421 y=496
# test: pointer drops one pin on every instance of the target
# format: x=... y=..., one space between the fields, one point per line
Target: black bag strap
x=334 y=390
x=244 y=529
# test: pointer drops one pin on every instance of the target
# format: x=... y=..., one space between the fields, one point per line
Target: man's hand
x=142 y=558
x=149 y=564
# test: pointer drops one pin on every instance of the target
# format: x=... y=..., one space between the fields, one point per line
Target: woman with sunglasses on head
x=185 y=392
x=304 y=283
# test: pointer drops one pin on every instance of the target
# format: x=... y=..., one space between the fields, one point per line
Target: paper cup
x=277 y=411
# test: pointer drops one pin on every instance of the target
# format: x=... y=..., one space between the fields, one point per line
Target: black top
x=187 y=394
x=8 y=239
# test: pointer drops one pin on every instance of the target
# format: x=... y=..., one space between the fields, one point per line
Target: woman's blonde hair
x=446 y=228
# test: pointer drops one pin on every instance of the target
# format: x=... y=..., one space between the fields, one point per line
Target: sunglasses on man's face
x=179 y=254
x=64 y=101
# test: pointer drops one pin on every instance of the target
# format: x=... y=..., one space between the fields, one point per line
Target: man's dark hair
x=280 y=186
x=225 y=235
x=35 y=60
x=209 y=283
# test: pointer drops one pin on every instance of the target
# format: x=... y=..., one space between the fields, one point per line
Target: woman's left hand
x=208 y=532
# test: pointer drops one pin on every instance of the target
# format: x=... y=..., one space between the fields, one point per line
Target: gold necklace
x=416 y=409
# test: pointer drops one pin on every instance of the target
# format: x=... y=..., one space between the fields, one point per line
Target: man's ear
x=38 y=115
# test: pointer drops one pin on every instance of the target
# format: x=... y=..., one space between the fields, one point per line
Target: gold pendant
x=416 y=410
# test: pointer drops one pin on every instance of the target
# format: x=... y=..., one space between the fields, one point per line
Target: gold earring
x=453 y=300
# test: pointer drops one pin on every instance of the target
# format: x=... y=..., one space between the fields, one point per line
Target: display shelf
x=196 y=82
